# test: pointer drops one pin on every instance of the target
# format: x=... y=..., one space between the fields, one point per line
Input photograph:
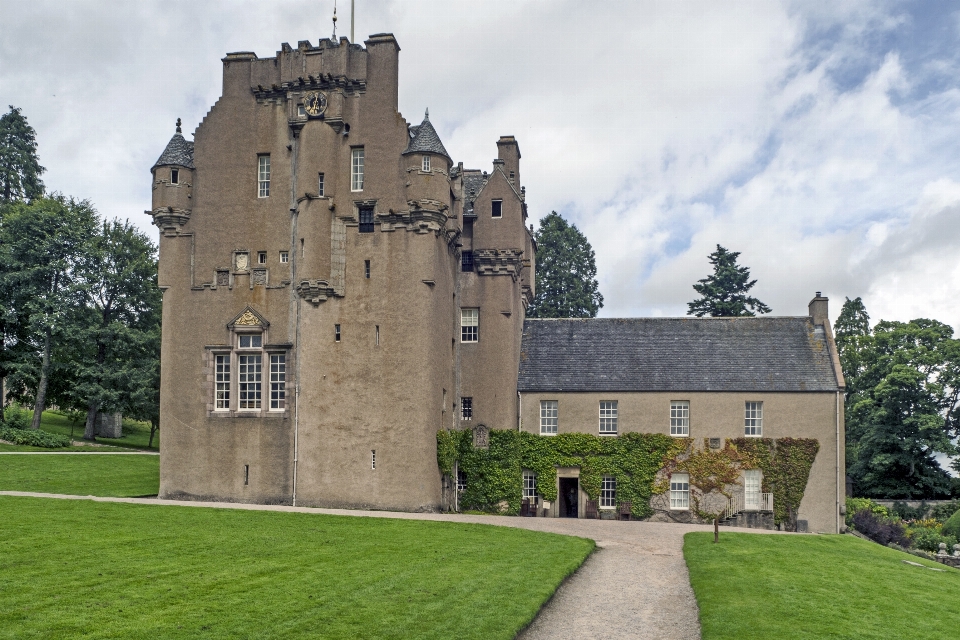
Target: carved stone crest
x=260 y=277
x=715 y=443
x=243 y=261
x=223 y=278
x=481 y=437
x=248 y=319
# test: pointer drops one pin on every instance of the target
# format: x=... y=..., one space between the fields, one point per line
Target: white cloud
x=788 y=132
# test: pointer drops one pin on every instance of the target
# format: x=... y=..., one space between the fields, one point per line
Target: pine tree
x=19 y=168
x=566 y=284
x=725 y=292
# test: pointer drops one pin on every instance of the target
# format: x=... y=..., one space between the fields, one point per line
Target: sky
x=816 y=138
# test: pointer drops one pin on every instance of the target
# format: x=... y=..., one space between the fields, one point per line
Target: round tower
x=173 y=183
x=428 y=164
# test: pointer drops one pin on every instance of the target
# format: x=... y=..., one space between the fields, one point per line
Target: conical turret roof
x=179 y=152
x=425 y=139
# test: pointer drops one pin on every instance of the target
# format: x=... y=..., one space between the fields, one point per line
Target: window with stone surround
x=278 y=381
x=356 y=169
x=753 y=419
x=469 y=325
x=249 y=378
x=496 y=209
x=466 y=408
x=608 y=417
x=549 y=420
x=366 y=220
x=222 y=374
x=466 y=261
x=680 y=491
x=608 y=492
x=426 y=163
x=530 y=485
x=284 y=257
x=679 y=418
x=263 y=175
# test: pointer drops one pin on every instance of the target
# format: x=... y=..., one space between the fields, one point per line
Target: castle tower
x=312 y=275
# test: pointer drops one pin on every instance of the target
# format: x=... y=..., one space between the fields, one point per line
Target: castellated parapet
x=336 y=289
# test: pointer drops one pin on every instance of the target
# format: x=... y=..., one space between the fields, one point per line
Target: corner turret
x=173 y=183
x=429 y=174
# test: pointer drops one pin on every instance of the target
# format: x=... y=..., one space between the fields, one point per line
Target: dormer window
x=426 y=163
x=174 y=176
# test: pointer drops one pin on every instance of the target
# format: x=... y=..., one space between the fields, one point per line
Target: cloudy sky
x=817 y=138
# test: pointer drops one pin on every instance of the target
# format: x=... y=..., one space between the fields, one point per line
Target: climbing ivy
x=785 y=463
x=495 y=475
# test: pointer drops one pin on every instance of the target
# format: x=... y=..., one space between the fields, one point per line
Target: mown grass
x=136 y=435
x=771 y=586
x=104 y=570
x=82 y=475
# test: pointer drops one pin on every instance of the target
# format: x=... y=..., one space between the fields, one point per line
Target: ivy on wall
x=785 y=463
x=495 y=475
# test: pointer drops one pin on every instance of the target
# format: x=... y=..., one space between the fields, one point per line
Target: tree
x=566 y=284
x=903 y=385
x=725 y=292
x=43 y=244
x=19 y=168
x=116 y=330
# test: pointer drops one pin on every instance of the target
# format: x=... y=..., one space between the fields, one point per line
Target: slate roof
x=675 y=354
x=472 y=181
x=424 y=139
x=179 y=152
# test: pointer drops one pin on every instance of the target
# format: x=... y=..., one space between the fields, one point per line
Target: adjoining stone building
x=337 y=291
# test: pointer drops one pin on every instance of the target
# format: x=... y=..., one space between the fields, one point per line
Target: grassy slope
x=135 y=434
x=130 y=571
x=113 y=475
x=769 y=586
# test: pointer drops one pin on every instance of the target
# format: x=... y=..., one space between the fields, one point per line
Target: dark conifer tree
x=724 y=293
x=566 y=272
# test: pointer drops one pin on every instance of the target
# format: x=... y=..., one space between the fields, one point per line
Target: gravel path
x=634 y=586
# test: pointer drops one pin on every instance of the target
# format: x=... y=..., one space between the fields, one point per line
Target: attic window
x=496 y=210
x=174 y=176
x=301 y=112
x=426 y=163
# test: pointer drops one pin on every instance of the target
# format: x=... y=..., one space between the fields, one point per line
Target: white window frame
x=608 y=492
x=261 y=257
x=356 y=168
x=278 y=381
x=549 y=417
x=461 y=481
x=680 y=492
x=425 y=165
x=249 y=381
x=222 y=380
x=466 y=408
x=255 y=341
x=753 y=419
x=263 y=175
x=608 y=417
x=284 y=257
x=470 y=325
x=496 y=212
x=320 y=185
x=174 y=176
x=680 y=418
x=530 y=485
x=751 y=489
x=301 y=111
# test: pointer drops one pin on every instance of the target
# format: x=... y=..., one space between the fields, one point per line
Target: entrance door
x=569 y=490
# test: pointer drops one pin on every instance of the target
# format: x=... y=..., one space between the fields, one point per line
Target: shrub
x=856 y=505
x=880 y=529
x=952 y=526
x=32 y=438
x=17 y=418
x=906 y=512
x=942 y=512
x=929 y=539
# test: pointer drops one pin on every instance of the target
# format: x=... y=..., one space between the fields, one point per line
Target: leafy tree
x=116 y=330
x=566 y=272
x=724 y=293
x=903 y=385
x=43 y=245
x=19 y=168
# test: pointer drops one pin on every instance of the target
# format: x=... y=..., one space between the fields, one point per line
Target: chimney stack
x=818 y=310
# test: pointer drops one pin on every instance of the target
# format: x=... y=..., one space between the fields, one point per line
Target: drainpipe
x=519 y=410
x=294 y=273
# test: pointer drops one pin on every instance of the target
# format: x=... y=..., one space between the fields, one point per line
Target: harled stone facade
x=316 y=254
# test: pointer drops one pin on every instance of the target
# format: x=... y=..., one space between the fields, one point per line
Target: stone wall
x=109 y=425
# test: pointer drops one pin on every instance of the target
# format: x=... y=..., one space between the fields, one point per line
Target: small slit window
x=320 y=186
x=426 y=163
x=174 y=176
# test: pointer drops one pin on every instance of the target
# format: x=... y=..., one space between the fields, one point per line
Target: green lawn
x=98 y=475
x=773 y=586
x=103 y=570
x=136 y=435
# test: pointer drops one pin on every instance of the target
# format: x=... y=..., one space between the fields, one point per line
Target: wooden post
x=716 y=529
